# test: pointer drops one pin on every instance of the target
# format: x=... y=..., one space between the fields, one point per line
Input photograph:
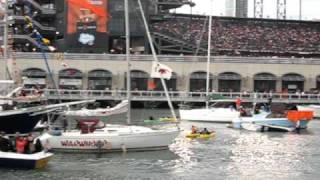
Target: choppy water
x=232 y=154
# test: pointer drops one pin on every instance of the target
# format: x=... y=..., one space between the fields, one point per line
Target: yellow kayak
x=202 y=136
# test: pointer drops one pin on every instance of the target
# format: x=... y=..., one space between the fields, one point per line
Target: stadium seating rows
x=234 y=36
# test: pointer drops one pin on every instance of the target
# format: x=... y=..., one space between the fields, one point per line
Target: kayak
x=159 y=121
x=201 y=136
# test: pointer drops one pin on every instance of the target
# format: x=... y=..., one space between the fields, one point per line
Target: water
x=233 y=154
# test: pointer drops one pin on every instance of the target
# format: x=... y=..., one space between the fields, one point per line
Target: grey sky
x=309 y=8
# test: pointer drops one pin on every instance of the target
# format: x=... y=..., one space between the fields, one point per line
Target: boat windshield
x=224 y=104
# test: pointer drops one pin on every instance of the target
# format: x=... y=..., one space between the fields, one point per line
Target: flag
x=160 y=71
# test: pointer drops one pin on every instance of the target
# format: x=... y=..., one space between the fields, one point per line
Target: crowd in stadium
x=237 y=36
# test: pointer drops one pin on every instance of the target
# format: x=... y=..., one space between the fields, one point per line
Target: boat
x=200 y=136
x=313 y=107
x=92 y=135
x=282 y=119
x=24 y=161
x=163 y=120
x=221 y=111
x=95 y=136
x=85 y=113
x=24 y=120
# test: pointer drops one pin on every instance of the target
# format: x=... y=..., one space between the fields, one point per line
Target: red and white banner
x=161 y=71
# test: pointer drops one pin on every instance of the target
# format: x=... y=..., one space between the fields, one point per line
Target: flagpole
x=156 y=60
x=126 y=13
x=5 y=40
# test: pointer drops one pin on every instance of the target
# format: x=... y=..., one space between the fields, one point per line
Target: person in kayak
x=194 y=129
x=205 y=131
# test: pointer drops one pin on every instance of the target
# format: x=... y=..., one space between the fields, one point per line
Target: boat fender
x=124 y=148
x=108 y=145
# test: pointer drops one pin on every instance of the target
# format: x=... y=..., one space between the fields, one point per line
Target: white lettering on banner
x=71 y=82
x=35 y=81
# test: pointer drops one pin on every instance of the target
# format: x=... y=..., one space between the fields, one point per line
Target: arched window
x=264 y=82
x=70 y=79
x=198 y=81
x=99 y=79
x=229 y=82
x=293 y=82
x=34 y=77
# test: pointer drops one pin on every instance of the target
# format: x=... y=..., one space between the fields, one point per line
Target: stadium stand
x=239 y=36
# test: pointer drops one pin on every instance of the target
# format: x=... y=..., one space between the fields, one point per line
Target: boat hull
x=261 y=120
x=22 y=123
x=104 y=141
x=223 y=115
x=24 y=161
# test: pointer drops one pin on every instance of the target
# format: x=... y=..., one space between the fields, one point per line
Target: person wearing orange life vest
x=194 y=129
x=238 y=103
x=21 y=144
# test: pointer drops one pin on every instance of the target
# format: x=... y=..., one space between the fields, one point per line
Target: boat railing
x=143 y=95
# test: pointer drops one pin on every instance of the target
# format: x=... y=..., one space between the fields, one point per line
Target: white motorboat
x=283 y=119
x=313 y=107
x=220 y=111
x=24 y=161
x=94 y=136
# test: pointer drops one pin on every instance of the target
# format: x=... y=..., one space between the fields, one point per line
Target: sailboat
x=95 y=136
x=221 y=110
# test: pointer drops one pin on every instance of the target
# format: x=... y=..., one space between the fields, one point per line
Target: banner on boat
x=86 y=143
x=87 y=24
x=161 y=71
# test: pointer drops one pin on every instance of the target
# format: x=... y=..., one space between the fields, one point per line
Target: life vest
x=20 y=145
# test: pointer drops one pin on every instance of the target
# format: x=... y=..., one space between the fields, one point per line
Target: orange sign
x=86 y=12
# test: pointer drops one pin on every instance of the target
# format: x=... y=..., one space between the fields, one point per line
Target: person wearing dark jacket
x=5 y=144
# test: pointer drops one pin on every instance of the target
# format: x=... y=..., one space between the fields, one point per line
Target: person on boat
x=23 y=93
x=21 y=144
x=238 y=103
x=64 y=123
x=38 y=146
x=194 y=129
x=5 y=143
x=30 y=147
x=243 y=112
x=256 y=110
x=205 y=131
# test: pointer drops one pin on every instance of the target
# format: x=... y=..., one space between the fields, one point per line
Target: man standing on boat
x=238 y=103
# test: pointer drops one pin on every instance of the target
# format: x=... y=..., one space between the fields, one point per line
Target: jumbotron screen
x=87 y=24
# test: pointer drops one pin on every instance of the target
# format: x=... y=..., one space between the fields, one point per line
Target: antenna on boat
x=156 y=59
x=126 y=13
x=5 y=41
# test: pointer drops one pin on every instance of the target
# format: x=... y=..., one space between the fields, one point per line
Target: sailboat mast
x=208 y=61
x=156 y=59
x=126 y=14
x=5 y=40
